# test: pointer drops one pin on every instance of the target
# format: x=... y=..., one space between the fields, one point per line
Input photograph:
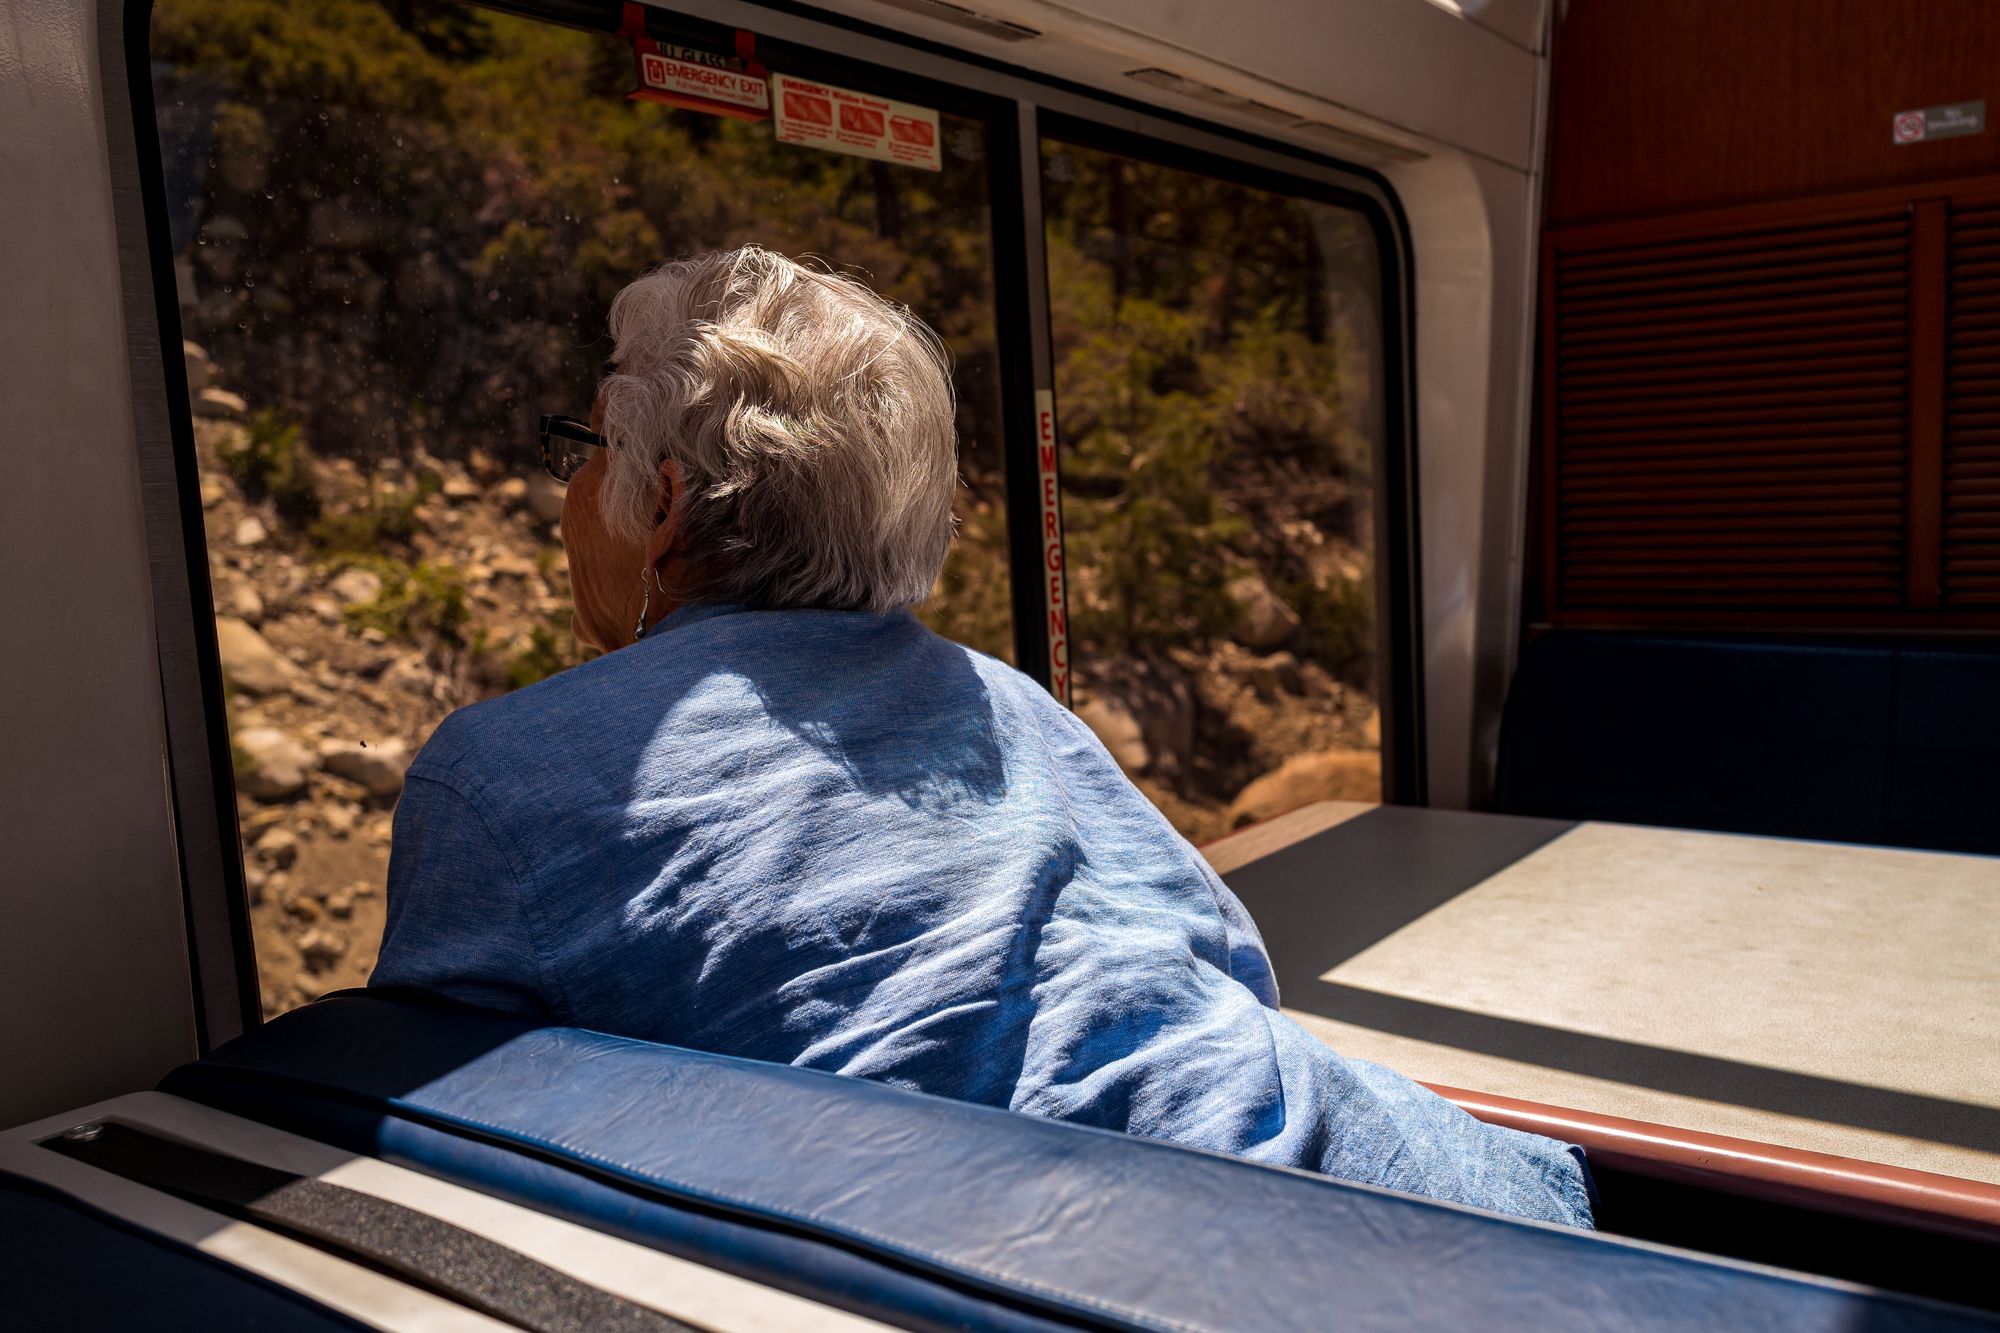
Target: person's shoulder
x=528 y=725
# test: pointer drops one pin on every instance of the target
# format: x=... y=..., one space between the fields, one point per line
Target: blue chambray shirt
x=839 y=841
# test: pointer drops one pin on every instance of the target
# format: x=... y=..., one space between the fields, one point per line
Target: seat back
x=1892 y=742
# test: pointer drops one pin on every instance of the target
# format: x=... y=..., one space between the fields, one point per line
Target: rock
x=1328 y=775
x=545 y=498
x=1262 y=620
x=272 y=766
x=356 y=585
x=339 y=819
x=246 y=604
x=213 y=492
x=513 y=492
x=379 y=768
x=279 y=846
x=220 y=404
x=324 y=609
x=258 y=820
x=200 y=370
x=250 y=531
x=410 y=675
x=321 y=949
x=1270 y=675
x=514 y=567
x=249 y=662
x=461 y=488
x=1118 y=730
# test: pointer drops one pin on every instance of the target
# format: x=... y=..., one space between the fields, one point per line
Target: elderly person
x=780 y=819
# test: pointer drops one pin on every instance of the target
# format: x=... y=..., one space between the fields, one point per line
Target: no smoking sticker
x=1951 y=121
x=841 y=120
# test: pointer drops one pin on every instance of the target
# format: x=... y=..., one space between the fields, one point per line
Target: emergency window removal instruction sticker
x=841 y=120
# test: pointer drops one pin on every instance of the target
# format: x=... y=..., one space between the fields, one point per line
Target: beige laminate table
x=1828 y=998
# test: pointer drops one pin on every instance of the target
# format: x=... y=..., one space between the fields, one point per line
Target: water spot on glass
x=322 y=115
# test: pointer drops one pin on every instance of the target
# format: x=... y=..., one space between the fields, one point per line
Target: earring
x=645 y=605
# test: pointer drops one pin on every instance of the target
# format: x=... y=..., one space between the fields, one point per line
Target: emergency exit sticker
x=703 y=81
x=841 y=120
x=1052 y=544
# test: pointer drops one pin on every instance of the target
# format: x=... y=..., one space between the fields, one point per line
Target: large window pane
x=397 y=226
x=1218 y=394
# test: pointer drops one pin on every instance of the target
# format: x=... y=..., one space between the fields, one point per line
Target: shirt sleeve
x=456 y=921
x=1249 y=963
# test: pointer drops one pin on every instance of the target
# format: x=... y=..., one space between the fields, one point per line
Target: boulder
x=213 y=492
x=410 y=675
x=1118 y=730
x=321 y=949
x=1326 y=775
x=246 y=604
x=249 y=662
x=513 y=567
x=459 y=488
x=220 y=404
x=271 y=766
x=379 y=768
x=279 y=846
x=250 y=531
x=200 y=370
x=512 y=492
x=356 y=585
x=545 y=498
x=1270 y=675
x=1263 y=621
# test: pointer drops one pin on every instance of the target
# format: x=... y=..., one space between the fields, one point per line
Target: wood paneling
x=1729 y=418
x=1660 y=108
x=1971 y=501
x=1777 y=416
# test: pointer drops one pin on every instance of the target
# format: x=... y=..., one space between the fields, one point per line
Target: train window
x=1218 y=375
x=396 y=227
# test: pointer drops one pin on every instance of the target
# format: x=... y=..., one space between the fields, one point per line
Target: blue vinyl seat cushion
x=932 y=1213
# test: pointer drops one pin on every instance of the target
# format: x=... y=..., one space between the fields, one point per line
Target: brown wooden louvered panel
x=1730 y=418
x=1971 y=561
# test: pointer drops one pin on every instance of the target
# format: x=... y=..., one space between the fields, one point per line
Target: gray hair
x=812 y=422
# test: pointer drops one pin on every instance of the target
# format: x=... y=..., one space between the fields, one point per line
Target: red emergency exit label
x=663 y=73
x=842 y=120
x=1053 y=588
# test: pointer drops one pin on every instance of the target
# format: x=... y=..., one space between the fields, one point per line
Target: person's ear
x=666 y=514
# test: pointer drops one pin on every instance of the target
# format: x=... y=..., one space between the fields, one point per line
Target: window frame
x=1018 y=107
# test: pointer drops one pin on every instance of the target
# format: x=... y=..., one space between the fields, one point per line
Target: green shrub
x=269 y=459
x=390 y=516
x=1337 y=625
x=424 y=601
x=549 y=650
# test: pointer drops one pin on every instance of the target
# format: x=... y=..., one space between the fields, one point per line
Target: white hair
x=812 y=422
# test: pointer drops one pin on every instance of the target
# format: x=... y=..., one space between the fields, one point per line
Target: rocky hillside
x=352 y=614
